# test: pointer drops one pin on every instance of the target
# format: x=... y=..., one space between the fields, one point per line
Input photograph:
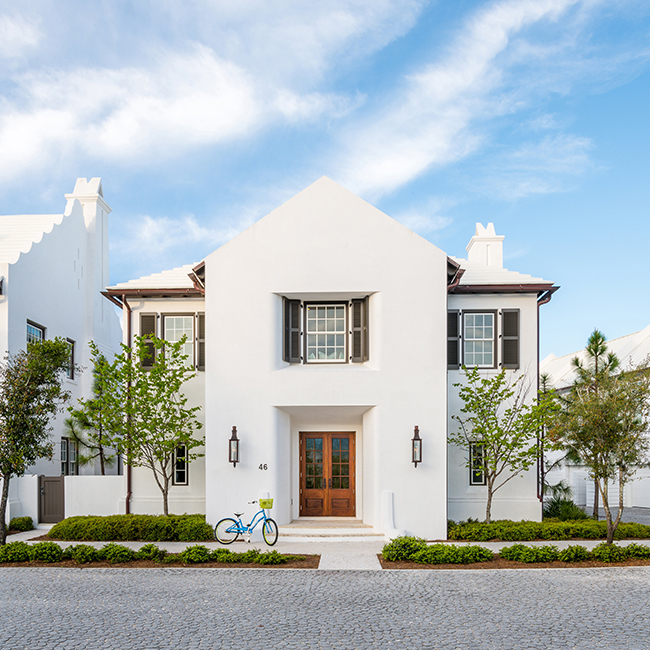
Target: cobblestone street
x=140 y=609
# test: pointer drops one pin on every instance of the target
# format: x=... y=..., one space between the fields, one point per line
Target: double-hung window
x=326 y=339
x=175 y=327
x=69 y=450
x=476 y=463
x=479 y=337
x=180 y=466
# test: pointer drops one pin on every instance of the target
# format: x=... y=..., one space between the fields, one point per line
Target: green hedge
x=117 y=553
x=124 y=528
x=524 y=531
x=21 y=524
x=415 y=549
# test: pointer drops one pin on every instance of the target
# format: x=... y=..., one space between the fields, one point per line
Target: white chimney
x=486 y=247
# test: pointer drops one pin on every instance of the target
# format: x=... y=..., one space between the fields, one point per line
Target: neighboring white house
x=52 y=270
x=631 y=350
x=326 y=333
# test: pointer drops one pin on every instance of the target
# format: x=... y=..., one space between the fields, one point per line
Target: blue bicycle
x=228 y=530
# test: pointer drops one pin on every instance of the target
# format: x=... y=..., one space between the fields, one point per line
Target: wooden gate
x=51 y=502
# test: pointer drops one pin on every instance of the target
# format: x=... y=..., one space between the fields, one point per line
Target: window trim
x=472 y=469
x=346 y=330
x=70 y=370
x=185 y=469
x=495 y=350
x=68 y=450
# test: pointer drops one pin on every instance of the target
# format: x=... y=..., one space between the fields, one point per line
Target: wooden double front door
x=327 y=472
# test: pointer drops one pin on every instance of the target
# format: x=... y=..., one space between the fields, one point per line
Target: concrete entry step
x=329 y=527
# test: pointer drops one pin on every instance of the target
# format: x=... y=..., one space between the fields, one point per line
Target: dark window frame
x=148 y=363
x=35 y=325
x=507 y=339
x=454 y=340
x=180 y=467
x=68 y=449
x=200 y=341
x=477 y=464
x=70 y=369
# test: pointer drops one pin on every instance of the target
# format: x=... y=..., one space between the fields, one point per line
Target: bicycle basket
x=267 y=504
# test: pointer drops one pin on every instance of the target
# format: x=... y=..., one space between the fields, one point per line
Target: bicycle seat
x=238 y=514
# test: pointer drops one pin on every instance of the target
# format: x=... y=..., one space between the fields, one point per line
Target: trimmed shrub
x=148 y=528
x=574 y=554
x=14 y=552
x=451 y=554
x=45 y=552
x=195 y=554
x=115 y=553
x=529 y=554
x=609 y=553
x=248 y=557
x=563 y=509
x=80 y=553
x=402 y=548
x=21 y=524
x=271 y=557
x=222 y=555
x=150 y=552
x=638 y=551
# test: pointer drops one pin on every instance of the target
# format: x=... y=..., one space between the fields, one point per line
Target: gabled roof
x=166 y=283
x=18 y=233
x=631 y=349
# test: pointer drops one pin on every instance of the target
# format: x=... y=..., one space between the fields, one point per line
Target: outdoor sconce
x=417 y=447
x=233 y=448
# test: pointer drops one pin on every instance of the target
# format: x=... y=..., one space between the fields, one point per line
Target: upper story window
x=35 y=332
x=479 y=338
x=69 y=451
x=175 y=327
x=472 y=338
x=334 y=332
x=326 y=339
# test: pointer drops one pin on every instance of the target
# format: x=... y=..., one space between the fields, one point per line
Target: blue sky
x=202 y=116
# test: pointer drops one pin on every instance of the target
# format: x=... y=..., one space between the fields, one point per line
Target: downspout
x=128 y=343
x=542 y=300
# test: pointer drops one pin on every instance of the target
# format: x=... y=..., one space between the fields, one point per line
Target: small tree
x=497 y=415
x=30 y=394
x=87 y=423
x=605 y=419
x=145 y=408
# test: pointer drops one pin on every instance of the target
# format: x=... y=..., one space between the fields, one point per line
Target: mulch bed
x=310 y=562
x=499 y=563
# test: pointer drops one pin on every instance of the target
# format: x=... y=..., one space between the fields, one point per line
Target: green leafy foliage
x=195 y=554
x=638 y=551
x=451 y=554
x=498 y=415
x=14 y=552
x=529 y=554
x=116 y=553
x=80 y=553
x=523 y=531
x=150 y=552
x=45 y=552
x=402 y=548
x=609 y=553
x=563 y=509
x=144 y=407
x=21 y=524
x=575 y=553
x=148 y=528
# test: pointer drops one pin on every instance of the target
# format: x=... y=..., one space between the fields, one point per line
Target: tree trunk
x=488 y=507
x=611 y=528
x=3 y=510
x=101 y=459
x=166 y=500
x=595 y=499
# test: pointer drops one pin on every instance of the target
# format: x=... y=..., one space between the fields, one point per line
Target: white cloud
x=17 y=35
x=432 y=122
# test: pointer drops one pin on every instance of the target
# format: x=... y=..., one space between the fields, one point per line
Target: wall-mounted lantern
x=417 y=447
x=233 y=448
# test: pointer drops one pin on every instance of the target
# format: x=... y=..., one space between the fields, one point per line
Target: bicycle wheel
x=226 y=531
x=270 y=532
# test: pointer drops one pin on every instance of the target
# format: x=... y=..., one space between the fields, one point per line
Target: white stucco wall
x=94 y=495
x=518 y=498
x=327 y=244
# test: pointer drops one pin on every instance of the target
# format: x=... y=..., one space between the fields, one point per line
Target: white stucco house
x=631 y=350
x=325 y=334
x=52 y=270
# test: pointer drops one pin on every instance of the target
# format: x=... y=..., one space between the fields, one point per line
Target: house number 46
x=263 y=466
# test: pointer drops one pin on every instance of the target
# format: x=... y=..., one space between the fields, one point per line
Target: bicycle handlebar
x=252 y=502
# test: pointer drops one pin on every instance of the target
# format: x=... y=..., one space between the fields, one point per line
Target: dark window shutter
x=148 y=329
x=510 y=338
x=291 y=346
x=200 y=342
x=360 y=331
x=453 y=339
